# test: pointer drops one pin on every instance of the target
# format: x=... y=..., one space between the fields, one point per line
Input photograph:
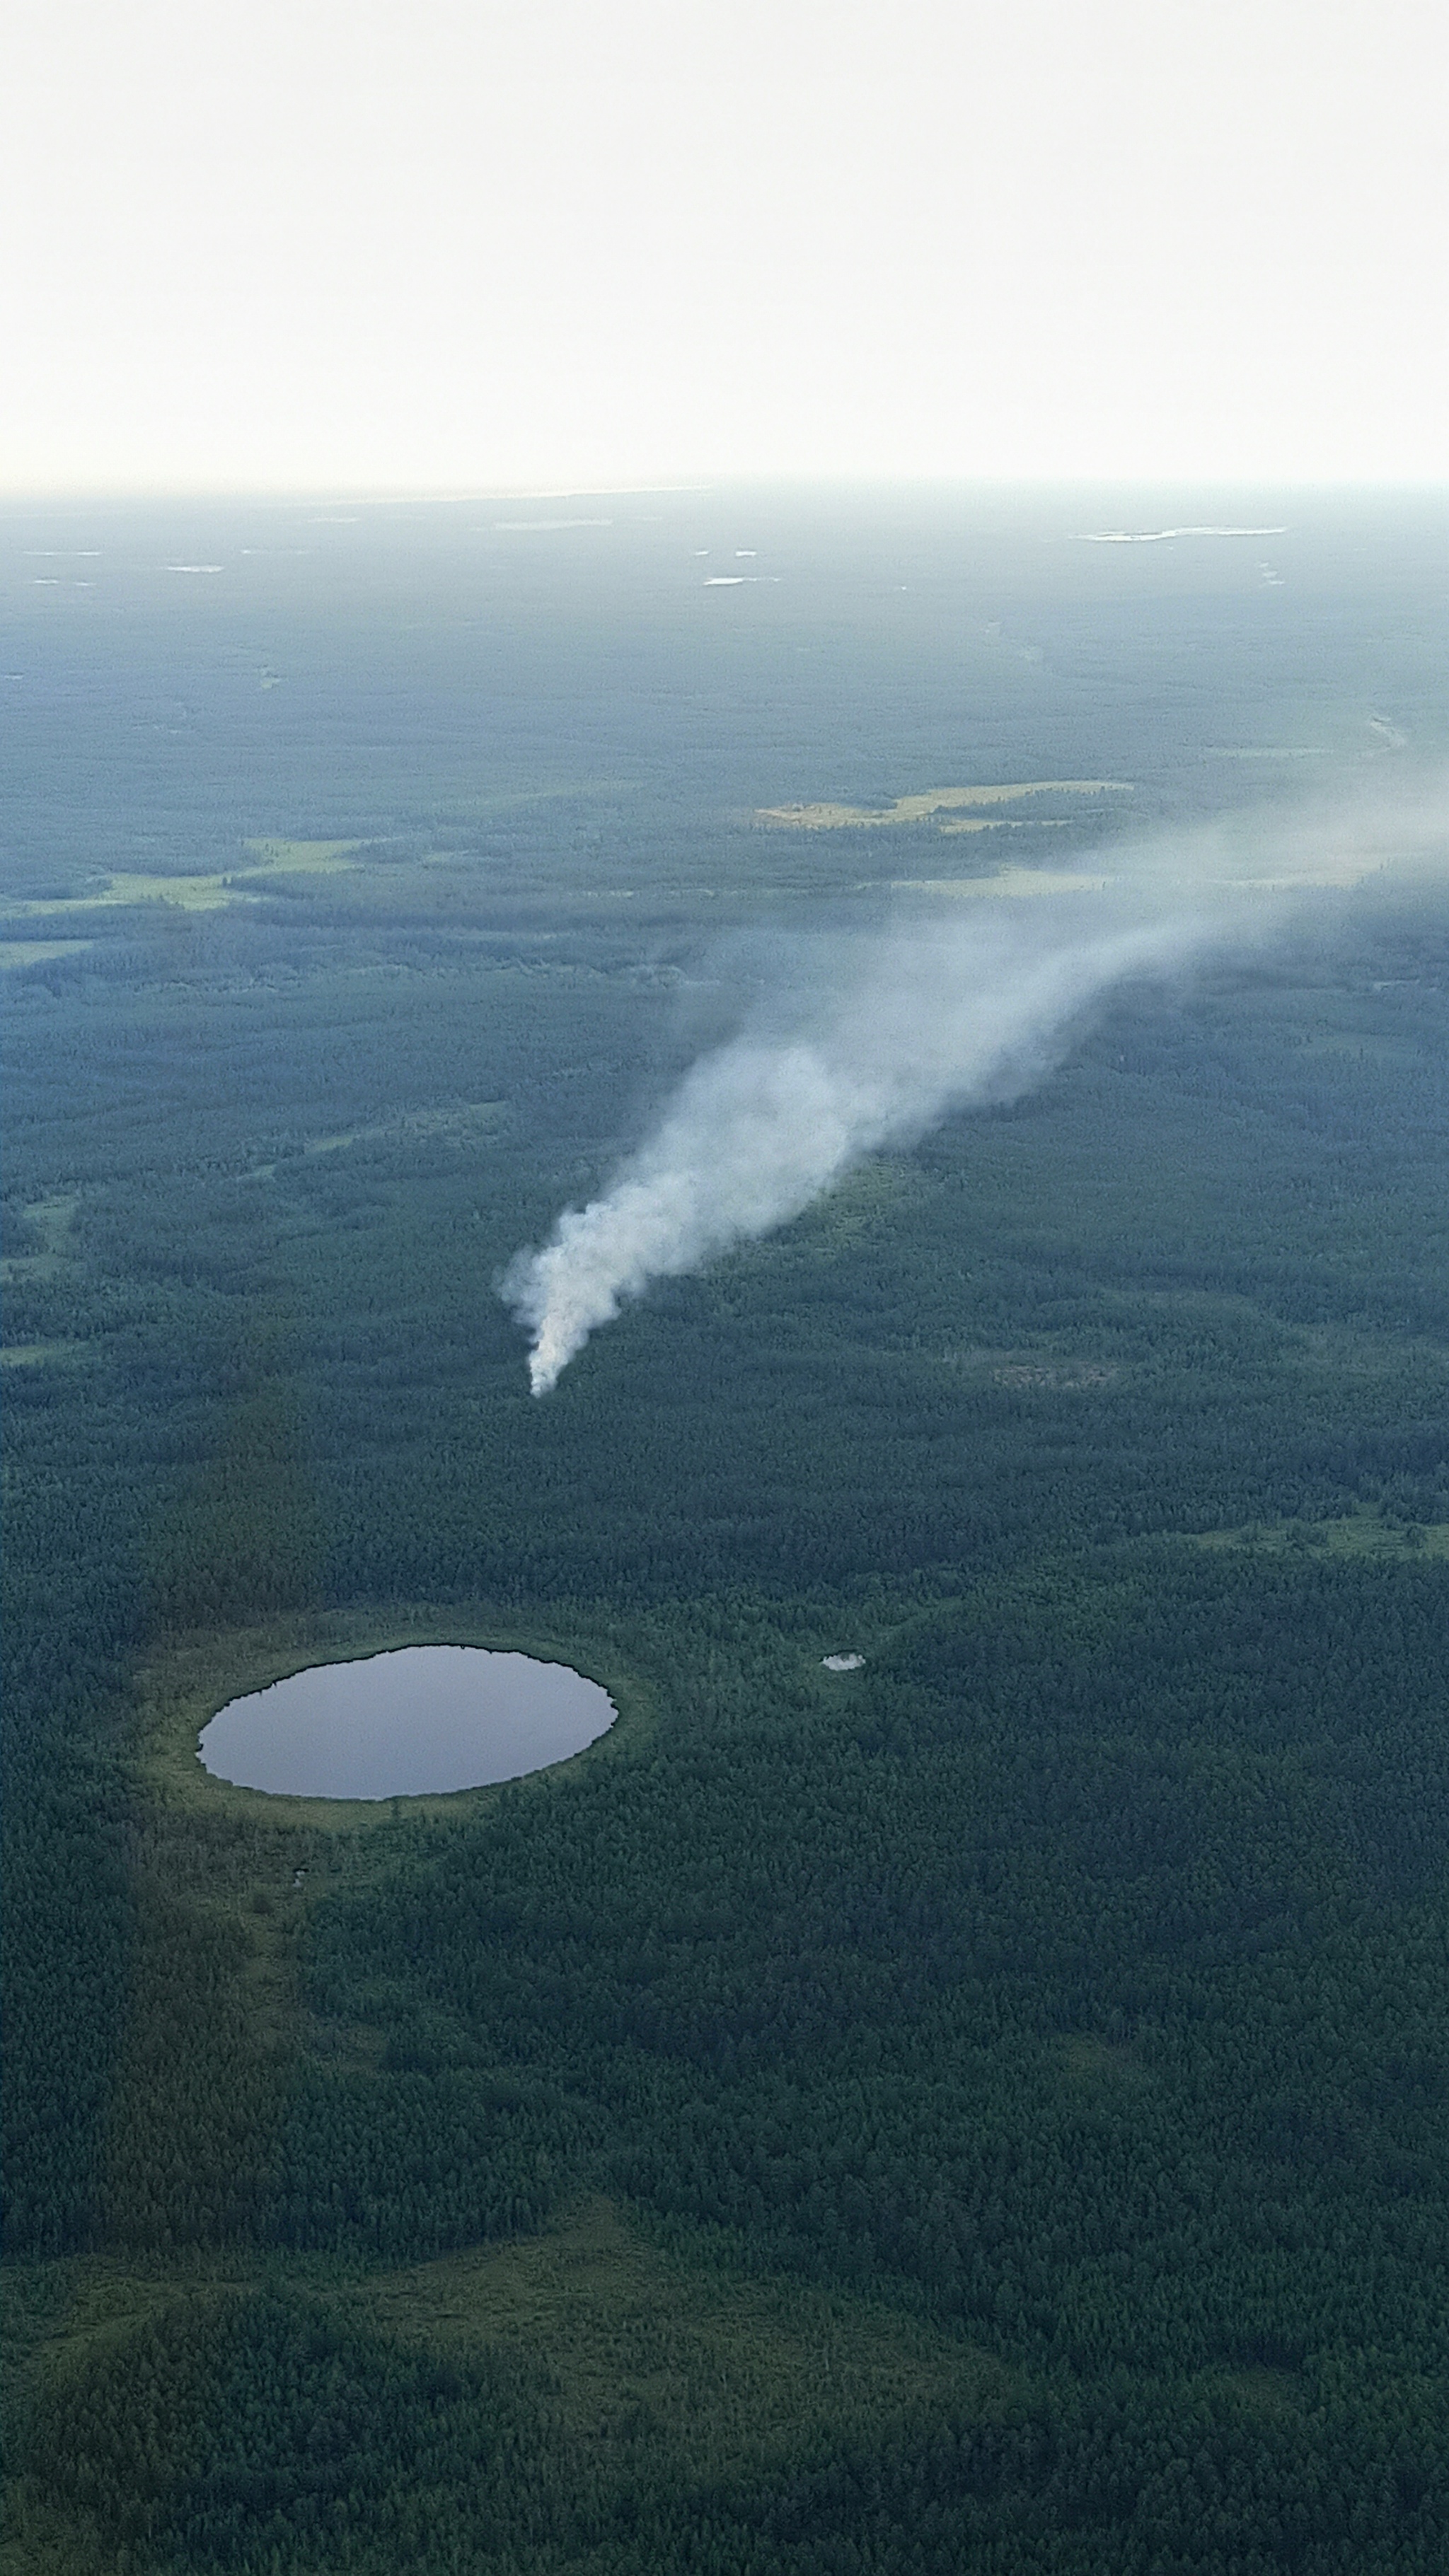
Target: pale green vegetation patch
x=1357 y=1534
x=183 y=894
x=1272 y=2394
x=307 y=858
x=655 y=2369
x=15 y=953
x=1006 y=823
x=936 y=800
x=466 y=1124
x=1027 y=1369
x=51 y=1222
x=1092 y=2061
x=653 y=2354
x=468 y=1121
x=208 y=892
x=44 y=1354
x=875 y=1196
x=1035 y=1372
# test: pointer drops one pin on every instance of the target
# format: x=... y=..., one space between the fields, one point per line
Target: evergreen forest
x=982 y=2111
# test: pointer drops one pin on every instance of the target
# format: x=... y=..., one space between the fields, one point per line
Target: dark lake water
x=398 y=1725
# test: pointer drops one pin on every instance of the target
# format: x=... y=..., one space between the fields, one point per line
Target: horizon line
x=379 y=495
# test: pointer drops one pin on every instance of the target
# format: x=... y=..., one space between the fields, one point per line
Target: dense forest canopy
x=981 y=2110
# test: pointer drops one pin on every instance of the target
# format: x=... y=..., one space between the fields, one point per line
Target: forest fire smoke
x=761 y=1127
x=890 y=1034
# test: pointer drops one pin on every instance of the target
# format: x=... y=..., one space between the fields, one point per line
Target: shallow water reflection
x=418 y=1719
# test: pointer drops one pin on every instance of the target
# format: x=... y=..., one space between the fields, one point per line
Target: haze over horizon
x=301 y=249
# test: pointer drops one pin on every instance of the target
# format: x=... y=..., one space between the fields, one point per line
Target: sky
x=480 y=245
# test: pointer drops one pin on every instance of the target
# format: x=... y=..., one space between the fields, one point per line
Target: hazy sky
x=333 y=243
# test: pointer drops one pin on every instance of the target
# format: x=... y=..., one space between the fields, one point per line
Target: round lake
x=406 y=1724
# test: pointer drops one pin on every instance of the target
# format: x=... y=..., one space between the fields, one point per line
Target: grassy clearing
x=15 y=953
x=1357 y=1534
x=468 y=1124
x=53 y=1220
x=45 y=1354
x=657 y=2371
x=865 y=1205
x=1047 y=1373
x=52 y=1224
x=1006 y=823
x=209 y=892
x=58 y=2320
x=183 y=894
x=1095 y=2063
x=1044 y=1365
x=1278 y=2396
x=652 y=2353
x=59 y=2312
x=307 y=858
x=937 y=800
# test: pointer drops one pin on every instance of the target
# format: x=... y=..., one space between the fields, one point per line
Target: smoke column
x=919 y=1026
x=890 y=1033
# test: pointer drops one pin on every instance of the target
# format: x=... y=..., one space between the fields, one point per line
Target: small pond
x=415 y=1721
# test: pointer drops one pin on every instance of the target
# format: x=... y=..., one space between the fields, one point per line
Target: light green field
x=652 y=2354
x=44 y=1354
x=1005 y=823
x=467 y=1125
x=52 y=1221
x=15 y=953
x=936 y=800
x=1357 y=1534
x=655 y=2367
x=471 y=1120
x=208 y=893
x=308 y=858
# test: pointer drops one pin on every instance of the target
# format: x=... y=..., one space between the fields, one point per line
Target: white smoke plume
x=876 y=1048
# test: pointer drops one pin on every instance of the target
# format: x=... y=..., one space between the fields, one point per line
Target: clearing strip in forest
x=936 y=800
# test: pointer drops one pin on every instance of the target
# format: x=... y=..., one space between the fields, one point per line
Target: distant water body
x=417 y=1721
